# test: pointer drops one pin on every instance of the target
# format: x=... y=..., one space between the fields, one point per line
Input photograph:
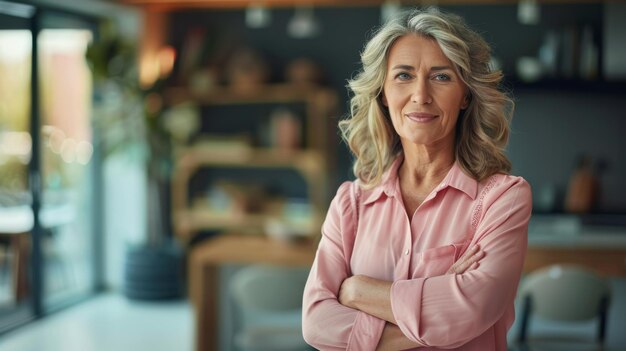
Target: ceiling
x=225 y=4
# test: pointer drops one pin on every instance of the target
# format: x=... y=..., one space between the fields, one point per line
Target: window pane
x=16 y=218
x=66 y=139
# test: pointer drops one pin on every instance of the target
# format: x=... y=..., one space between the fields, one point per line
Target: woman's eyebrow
x=411 y=68
x=440 y=68
x=403 y=67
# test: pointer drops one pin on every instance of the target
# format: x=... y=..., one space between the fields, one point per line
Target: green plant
x=129 y=118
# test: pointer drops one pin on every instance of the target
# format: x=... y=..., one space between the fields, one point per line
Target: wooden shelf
x=270 y=93
x=198 y=218
x=308 y=162
x=321 y=106
x=314 y=162
x=189 y=220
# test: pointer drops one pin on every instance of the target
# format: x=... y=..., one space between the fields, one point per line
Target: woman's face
x=423 y=92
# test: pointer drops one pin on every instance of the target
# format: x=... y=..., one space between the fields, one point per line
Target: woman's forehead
x=415 y=49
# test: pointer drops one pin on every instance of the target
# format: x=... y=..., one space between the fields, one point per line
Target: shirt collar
x=390 y=186
x=458 y=179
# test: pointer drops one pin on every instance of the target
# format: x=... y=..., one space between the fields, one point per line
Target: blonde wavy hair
x=482 y=130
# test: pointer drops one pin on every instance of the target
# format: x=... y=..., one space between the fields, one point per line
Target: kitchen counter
x=564 y=240
x=568 y=231
x=587 y=237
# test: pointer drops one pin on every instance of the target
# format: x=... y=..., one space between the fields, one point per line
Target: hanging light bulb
x=528 y=12
x=258 y=16
x=389 y=10
x=303 y=24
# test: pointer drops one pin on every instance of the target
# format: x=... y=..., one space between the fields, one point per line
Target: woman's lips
x=420 y=117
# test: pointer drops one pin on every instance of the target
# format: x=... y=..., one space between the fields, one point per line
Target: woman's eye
x=403 y=76
x=442 y=77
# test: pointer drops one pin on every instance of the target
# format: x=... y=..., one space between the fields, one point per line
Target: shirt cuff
x=366 y=332
x=406 y=306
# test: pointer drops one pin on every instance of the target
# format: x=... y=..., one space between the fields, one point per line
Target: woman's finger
x=468 y=261
x=469 y=252
x=456 y=265
x=468 y=255
x=473 y=259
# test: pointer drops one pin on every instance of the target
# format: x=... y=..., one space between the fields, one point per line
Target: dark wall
x=550 y=128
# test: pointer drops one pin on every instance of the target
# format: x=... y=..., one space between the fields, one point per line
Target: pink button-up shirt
x=369 y=233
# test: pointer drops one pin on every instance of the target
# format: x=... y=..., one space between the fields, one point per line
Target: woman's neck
x=422 y=167
x=420 y=173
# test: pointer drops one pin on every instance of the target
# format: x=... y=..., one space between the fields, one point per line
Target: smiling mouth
x=421 y=117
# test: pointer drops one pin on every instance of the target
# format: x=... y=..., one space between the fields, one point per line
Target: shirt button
x=406 y=252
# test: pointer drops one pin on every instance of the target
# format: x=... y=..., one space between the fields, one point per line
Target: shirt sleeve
x=448 y=311
x=326 y=324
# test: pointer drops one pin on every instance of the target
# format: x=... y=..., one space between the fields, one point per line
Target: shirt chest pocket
x=436 y=261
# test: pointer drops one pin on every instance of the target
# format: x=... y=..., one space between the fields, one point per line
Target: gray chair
x=567 y=294
x=268 y=301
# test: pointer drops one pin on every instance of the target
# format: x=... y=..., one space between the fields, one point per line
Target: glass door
x=48 y=198
x=67 y=162
x=16 y=215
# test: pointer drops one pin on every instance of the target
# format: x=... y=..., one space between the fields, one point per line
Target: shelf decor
x=301 y=145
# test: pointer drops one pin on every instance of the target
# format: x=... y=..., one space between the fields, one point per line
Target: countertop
x=568 y=231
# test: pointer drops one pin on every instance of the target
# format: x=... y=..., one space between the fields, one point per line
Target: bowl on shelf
x=286 y=231
x=529 y=69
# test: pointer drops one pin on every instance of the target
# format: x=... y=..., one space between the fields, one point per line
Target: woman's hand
x=370 y=295
x=467 y=262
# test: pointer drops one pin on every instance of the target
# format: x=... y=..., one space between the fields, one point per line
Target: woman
x=426 y=248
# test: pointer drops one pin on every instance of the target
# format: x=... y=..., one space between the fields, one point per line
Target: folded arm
x=450 y=310
x=327 y=324
x=373 y=296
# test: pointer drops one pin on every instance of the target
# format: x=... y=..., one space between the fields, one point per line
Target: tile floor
x=108 y=322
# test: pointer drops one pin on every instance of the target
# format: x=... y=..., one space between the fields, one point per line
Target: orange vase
x=582 y=190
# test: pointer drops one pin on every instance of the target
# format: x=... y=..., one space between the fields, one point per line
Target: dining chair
x=568 y=295
x=268 y=301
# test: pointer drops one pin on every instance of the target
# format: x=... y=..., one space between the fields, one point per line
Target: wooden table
x=205 y=260
x=19 y=244
x=16 y=225
x=602 y=250
x=608 y=262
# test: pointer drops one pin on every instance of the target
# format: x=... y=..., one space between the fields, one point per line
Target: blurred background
x=158 y=156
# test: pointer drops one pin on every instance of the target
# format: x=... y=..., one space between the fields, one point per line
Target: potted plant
x=129 y=116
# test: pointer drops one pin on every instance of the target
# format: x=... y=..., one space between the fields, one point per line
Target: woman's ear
x=383 y=99
x=466 y=101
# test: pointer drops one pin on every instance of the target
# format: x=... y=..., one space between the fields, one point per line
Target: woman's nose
x=421 y=93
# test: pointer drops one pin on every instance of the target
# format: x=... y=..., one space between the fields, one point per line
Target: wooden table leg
x=205 y=296
x=19 y=246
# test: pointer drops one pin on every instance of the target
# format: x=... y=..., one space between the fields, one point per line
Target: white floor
x=108 y=322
